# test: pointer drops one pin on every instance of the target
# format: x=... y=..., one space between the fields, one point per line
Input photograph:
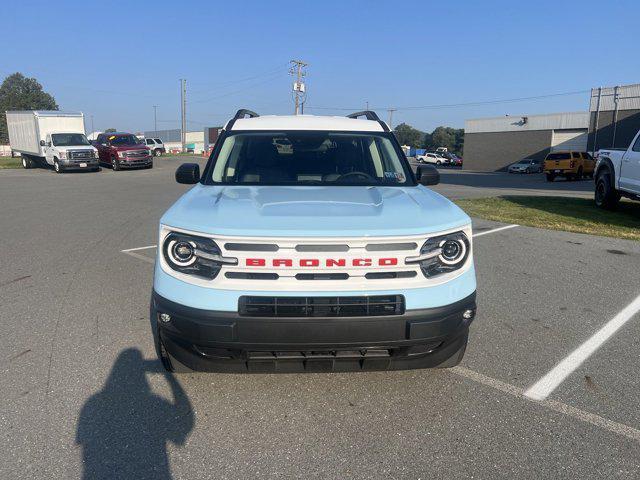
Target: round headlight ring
x=182 y=252
x=453 y=251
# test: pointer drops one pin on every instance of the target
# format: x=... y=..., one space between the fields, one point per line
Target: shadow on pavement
x=123 y=429
x=534 y=181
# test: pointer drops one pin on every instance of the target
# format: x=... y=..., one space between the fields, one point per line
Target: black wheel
x=115 y=164
x=550 y=177
x=438 y=162
x=158 y=153
x=56 y=166
x=149 y=166
x=605 y=195
x=527 y=170
x=27 y=162
x=456 y=358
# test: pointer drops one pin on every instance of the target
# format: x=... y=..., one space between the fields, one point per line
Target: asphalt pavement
x=83 y=393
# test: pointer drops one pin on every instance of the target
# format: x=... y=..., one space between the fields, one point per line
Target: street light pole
x=155 y=119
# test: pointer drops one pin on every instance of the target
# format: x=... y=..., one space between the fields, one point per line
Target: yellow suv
x=571 y=165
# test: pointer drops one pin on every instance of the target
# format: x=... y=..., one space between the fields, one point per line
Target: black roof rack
x=243 y=112
x=370 y=115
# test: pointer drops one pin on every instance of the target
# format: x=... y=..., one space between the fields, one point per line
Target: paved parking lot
x=81 y=382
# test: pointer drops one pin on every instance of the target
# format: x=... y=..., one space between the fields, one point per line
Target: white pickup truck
x=617 y=174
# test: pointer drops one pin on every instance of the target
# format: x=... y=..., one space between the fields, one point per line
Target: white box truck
x=51 y=137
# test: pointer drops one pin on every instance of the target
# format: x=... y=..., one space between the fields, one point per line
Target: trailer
x=51 y=137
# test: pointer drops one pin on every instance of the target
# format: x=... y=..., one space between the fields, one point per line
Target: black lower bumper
x=207 y=340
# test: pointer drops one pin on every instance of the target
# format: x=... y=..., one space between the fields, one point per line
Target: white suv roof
x=307 y=122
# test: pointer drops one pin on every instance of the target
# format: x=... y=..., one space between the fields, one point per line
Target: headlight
x=121 y=155
x=442 y=254
x=194 y=255
x=62 y=155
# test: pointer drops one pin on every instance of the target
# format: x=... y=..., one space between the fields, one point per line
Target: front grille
x=137 y=153
x=372 y=306
x=80 y=154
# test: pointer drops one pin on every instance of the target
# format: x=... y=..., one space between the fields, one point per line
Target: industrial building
x=492 y=144
x=614 y=116
x=196 y=142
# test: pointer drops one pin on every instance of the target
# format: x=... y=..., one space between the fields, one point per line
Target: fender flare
x=606 y=165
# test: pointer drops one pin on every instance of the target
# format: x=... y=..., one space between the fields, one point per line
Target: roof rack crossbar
x=243 y=112
x=369 y=115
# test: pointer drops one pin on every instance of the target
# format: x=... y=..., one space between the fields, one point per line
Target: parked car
x=528 y=165
x=123 y=150
x=285 y=260
x=51 y=138
x=571 y=165
x=433 y=158
x=618 y=174
x=156 y=146
x=456 y=161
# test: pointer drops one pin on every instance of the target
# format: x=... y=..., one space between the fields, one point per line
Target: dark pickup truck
x=123 y=150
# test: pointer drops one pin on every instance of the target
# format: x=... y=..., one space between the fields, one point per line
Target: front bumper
x=222 y=341
x=135 y=163
x=89 y=163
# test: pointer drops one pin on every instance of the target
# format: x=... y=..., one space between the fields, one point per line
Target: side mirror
x=188 y=173
x=428 y=175
x=42 y=144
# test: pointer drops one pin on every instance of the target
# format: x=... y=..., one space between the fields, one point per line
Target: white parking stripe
x=138 y=248
x=587 y=417
x=547 y=384
x=499 y=229
x=140 y=257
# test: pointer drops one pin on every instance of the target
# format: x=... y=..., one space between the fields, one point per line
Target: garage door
x=570 y=140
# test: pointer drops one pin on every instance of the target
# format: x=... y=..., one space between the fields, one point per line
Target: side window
x=149 y=141
x=575 y=154
x=157 y=140
x=636 y=146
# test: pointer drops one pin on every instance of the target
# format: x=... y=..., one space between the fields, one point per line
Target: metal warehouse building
x=492 y=144
x=615 y=116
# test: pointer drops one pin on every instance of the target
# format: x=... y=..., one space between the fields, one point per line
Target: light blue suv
x=308 y=244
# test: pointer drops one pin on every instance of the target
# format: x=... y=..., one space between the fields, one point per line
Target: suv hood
x=309 y=211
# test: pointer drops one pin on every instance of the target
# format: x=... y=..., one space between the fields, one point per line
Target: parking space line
x=494 y=230
x=138 y=248
x=587 y=417
x=139 y=257
x=547 y=384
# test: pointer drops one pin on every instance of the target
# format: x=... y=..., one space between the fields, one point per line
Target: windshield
x=124 y=140
x=69 y=139
x=523 y=162
x=309 y=158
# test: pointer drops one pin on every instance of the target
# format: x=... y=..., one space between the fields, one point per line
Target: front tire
x=114 y=164
x=605 y=195
x=56 y=166
x=158 y=153
x=27 y=162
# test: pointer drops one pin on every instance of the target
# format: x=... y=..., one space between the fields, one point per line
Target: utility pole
x=367 y=107
x=155 y=119
x=391 y=110
x=92 y=130
x=298 y=86
x=183 y=112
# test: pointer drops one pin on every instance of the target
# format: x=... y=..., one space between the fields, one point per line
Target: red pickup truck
x=123 y=150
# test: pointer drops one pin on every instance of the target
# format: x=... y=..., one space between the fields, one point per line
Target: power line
x=464 y=104
x=273 y=77
x=278 y=69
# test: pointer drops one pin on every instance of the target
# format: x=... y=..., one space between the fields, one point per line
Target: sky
x=114 y=61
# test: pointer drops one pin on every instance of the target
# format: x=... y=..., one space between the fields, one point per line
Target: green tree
x=18 y=92
x=407 y=135
x=451 y=138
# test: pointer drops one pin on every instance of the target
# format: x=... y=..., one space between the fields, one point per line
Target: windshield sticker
x=397 y=176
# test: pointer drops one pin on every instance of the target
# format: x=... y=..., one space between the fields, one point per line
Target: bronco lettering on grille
x=316 y=263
